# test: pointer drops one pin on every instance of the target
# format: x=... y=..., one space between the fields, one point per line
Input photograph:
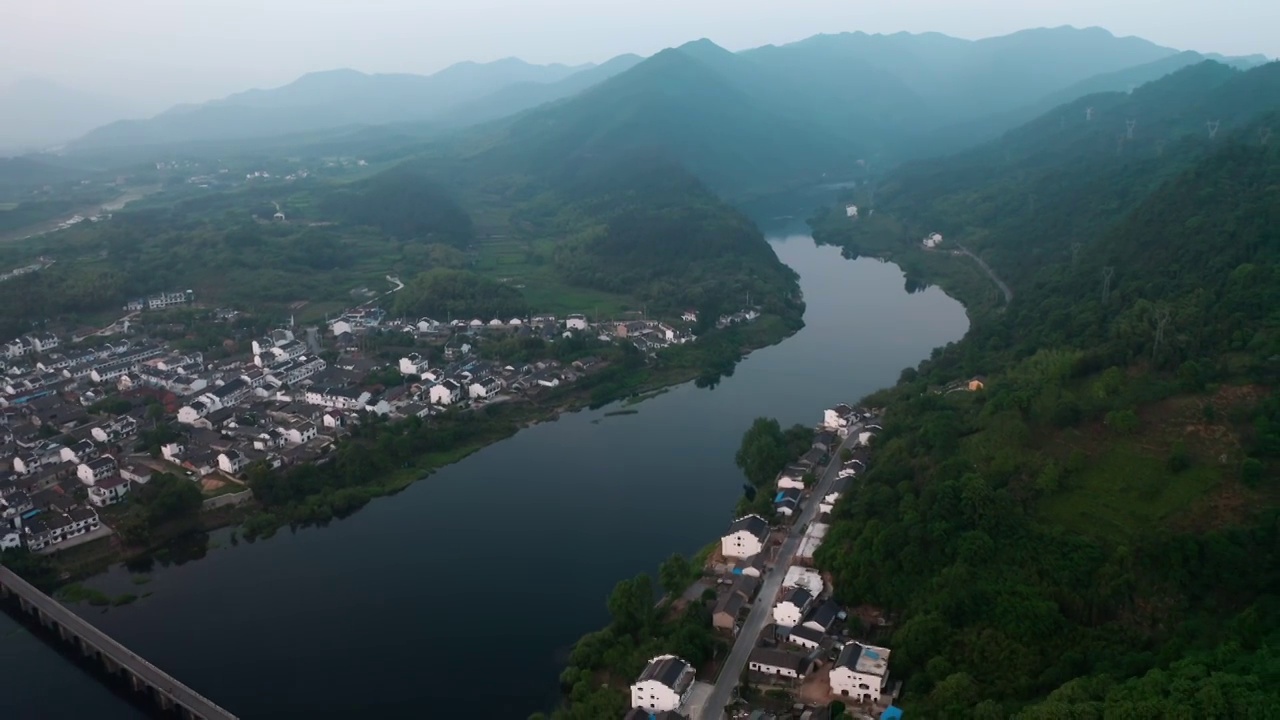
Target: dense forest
x=1096 y=533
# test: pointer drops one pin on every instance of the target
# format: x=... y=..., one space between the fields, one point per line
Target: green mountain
x=325 y=100
x=678 y=106
x=1093 y=534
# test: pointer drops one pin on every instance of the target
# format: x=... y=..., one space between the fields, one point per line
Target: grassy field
x=529 y=267
x=1126 y=492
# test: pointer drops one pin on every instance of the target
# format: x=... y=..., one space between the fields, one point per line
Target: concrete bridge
x=144 y=677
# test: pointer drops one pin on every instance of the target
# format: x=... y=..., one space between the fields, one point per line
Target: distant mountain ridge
x=39 y=113
x=325 y=100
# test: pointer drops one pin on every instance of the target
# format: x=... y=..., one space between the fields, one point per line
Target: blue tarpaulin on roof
x=891 y=713
x=737 y=571
x=779 y=497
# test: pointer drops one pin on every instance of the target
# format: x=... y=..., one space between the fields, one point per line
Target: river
x=461 y=596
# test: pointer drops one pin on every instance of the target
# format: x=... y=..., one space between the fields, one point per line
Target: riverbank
x=547 y=521
x=472 y=430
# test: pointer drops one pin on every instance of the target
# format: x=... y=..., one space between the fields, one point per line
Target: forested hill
x=1096 y=533
x=1065 y=177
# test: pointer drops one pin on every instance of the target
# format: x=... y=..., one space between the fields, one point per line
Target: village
x=87 y=416
x=803 y=652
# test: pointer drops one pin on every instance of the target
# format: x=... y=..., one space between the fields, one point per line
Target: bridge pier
x=142 y=677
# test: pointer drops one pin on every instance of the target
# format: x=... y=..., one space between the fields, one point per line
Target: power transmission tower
x=1159 y=148
x=1088 y=114
x=1162 y=321
x=1264 y=134
x=1107 y=273
x=1075 y=253
x=1119 y=144
x=1129 y=126
x=1213 y=128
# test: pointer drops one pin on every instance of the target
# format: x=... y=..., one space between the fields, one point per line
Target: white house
x=804 y=578
x=484 y=387
x=300 y=432
x=345 y=398
x=839 y=418
x=689 y=316
x=663 y=685
x=828 y=502
x=10 y=539
x=26 y=463
x=172 y=451
x=232 y=462
x=189 y=414
x=791 y=606
x=787 y=502
x=770 y=661
x=933 y=241
x=821 y=618
x=792 y=478
x=806 y=637
x=445 y=393
x=851 y=211
x=82 y=451
x=96 y=469
x=575 y=322
x=109 y=491
x=746 y=537
x=861 y=672
x=413 y=364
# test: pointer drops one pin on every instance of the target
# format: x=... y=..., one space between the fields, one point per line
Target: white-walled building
x=96 y=469
x=413 y=364
x=663 y=685
x=344 y=398
x=771 y=661
x=746 y=537
x=445 y=393
x=803 y=577
x=791 y=606
x=109 y=491
x=851 y=211
x=10 y=539
x=861 y=672
x=232 y=462
x=933 y=240
x=575 y=322
x=484 y=387
x=839 y=418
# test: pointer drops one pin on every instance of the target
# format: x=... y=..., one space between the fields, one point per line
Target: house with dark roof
x=806 y=637
x=787 y=502
x=791 y=606
x=729 y=606
x=860 y=672
x=781 y=663
x=746 y=537
x=663 y=685
x=822 y=617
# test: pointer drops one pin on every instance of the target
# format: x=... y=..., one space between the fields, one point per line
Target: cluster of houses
x=932 y=240
x=161 y=301
x=41 y=263
x=58 y=468
x=807 y=631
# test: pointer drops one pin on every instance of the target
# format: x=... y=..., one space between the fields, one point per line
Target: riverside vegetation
x=1094 y=534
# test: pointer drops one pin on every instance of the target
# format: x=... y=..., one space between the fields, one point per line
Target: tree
x=631 y=604
x=675 y=574
x=763 y=453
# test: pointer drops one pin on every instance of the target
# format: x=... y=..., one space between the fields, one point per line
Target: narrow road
x=1008 y=293
x=762 y=610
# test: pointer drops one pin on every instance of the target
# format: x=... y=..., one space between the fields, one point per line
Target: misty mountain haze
x=38 y=113
x=849 y=82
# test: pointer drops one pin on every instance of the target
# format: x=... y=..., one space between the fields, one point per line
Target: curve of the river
x=467 y=590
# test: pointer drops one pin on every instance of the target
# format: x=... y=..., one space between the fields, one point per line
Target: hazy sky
x=189 y=50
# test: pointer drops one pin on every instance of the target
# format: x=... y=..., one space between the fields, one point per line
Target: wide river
x=461 y=596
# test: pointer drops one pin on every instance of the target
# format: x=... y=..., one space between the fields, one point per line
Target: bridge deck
x=163 y=683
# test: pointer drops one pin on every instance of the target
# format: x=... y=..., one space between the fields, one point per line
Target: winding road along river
x=461 y=596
